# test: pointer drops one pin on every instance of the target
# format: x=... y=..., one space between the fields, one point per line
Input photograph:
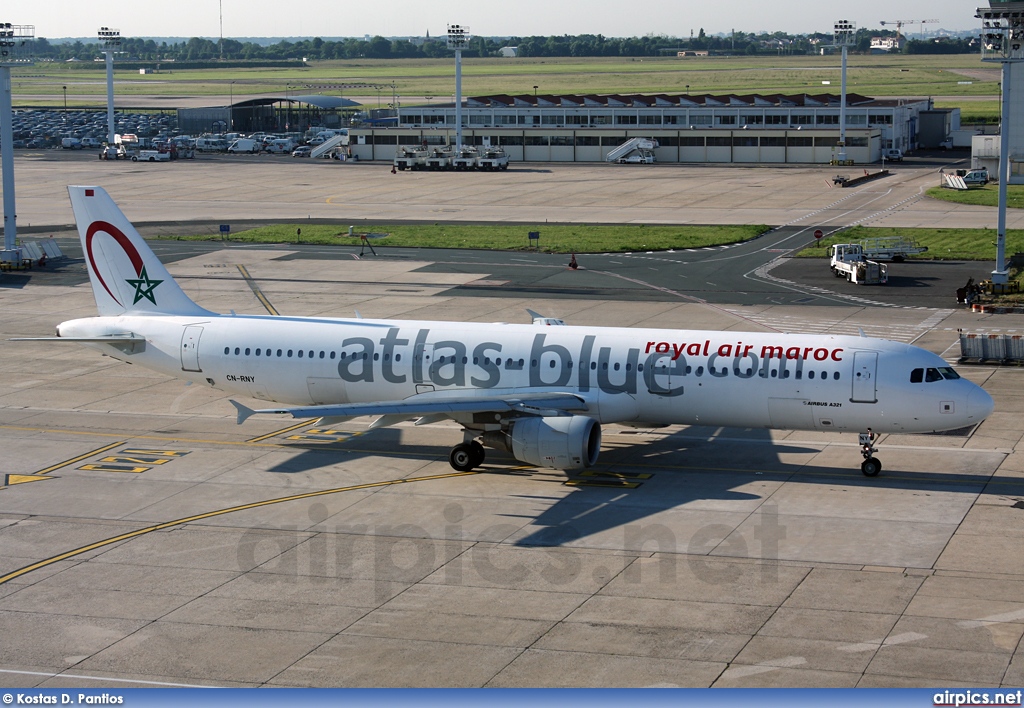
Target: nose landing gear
x=871 y=466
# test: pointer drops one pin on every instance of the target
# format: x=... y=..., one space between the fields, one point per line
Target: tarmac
x=175 y=547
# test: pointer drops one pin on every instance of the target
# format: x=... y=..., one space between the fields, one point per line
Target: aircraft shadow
x=728 y=470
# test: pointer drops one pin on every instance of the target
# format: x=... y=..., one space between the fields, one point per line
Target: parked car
x=893 y=155
x=976 y=177
x=302 y=151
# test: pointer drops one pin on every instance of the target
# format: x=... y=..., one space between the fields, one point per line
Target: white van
x=71 y=143
x=281 y=145
x=211 y=144
x=245 y=145
x=893 y=155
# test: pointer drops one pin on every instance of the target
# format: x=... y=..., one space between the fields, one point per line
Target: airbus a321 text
x=538 y=392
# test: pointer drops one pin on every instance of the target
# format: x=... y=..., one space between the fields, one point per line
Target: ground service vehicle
x=847 y=261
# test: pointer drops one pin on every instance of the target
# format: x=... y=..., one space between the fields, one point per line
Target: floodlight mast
x=1003 y=41
x=110 y=40
x=13 y=39
x=842 y=36
x=458 y=37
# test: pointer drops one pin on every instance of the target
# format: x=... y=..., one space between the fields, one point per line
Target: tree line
x=199 y=49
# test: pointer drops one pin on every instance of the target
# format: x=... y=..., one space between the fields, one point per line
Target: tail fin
x=126 y=275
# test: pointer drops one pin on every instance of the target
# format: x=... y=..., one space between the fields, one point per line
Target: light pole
x=231 y=107
x=842 y=36
x=458 y=38
x=12 y=38
x=65 y=103
x=535 y=91
x=110 y=40
x=1002 y=39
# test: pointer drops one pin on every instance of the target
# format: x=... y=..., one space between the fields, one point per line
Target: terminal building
x=755 y=128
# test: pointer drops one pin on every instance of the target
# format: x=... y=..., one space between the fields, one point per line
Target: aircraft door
x=865 y=365
x=190 y=348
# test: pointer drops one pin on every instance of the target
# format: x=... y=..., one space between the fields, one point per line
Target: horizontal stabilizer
x=111 y=339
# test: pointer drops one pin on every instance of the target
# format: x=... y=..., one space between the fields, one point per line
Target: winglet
x=243 y=411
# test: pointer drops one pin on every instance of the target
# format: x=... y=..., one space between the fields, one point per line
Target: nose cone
x=979 y=404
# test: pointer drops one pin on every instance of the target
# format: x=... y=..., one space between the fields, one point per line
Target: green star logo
x=143 y=287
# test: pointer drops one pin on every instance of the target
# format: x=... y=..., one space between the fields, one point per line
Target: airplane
x=538 y=391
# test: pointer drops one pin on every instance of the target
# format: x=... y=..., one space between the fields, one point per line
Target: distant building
x=752 y=128
x=885 y=45
x=692 y=53
x=508 y=52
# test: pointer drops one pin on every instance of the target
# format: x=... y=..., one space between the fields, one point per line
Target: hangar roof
x=318 y=100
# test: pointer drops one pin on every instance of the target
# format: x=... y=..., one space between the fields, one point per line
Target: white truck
x=440 y=158
x=847 y=261
x=411 y=157
x=492 y=158
x=151 y=156
x=891 y=248
x=465 y=158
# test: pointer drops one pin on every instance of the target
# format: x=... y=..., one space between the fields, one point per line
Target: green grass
x=869 y=75
x=982 y=196
x=553 y=238
x=943 y=244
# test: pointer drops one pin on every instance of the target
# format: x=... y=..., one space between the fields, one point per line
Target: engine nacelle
x=558 y=442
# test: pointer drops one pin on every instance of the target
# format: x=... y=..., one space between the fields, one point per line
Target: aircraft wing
x=552 y=403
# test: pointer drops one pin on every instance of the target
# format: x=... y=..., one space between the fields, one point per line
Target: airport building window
x=551 y=120
x=668 y=141
x=700 y=120
x=855 y=119
x=857 y=142
x=773 y=141
x=753 y=120
x=479 y=119
x=588 y=140
x=385 y=139
x=625 y=120
x=822 y=119
x=719 y=141
x=799 y=141
x=536 y=140
x=744 y=140
x=825 y=142
x=510 y=140
x=650 y=120
x=561 y=140
x=600 y=119
x=802 y=119
x=576 y=120
x=880 y=119
x=691 y=141
x=776 y=120
x=610 y=141
x=725 y=120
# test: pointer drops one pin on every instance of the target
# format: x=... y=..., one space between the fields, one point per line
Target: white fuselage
x=762 y=380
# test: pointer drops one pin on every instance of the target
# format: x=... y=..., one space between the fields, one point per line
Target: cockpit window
x=917 y=376
x=931 y=375
x=948 y=373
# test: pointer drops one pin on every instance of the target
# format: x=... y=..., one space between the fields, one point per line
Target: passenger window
x=236 y=351
x=227 y=350
x=948 y=373
x=931 y=375
x=279 y=352
x=300 y=353
x=332 y=355
x=258 y=352
x=835 y=376
x=917 y=376
x=616 y=366
x=700 y=371
x=810 y=374
x=289 y=352
x=323 y=354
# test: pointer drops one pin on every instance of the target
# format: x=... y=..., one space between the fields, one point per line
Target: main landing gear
x=870 y=466
x=466 y=456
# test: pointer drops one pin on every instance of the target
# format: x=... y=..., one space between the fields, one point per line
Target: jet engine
x=558 y=442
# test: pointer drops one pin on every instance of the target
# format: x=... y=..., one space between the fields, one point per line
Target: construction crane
x=899 y=25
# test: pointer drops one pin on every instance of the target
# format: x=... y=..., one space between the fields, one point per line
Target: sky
x=344 y=18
